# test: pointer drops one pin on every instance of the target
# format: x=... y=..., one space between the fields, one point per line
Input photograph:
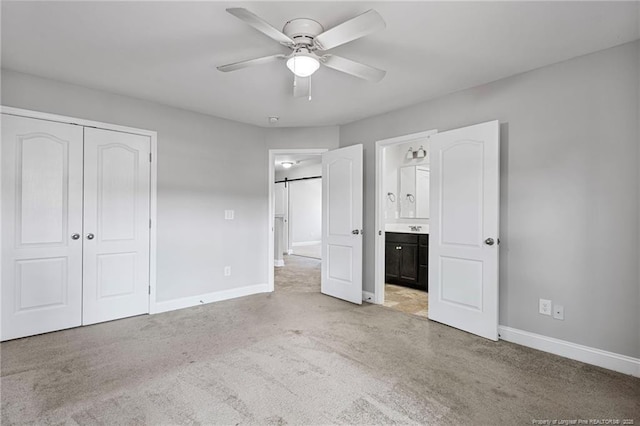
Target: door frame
x=271 y=177
x=153 y=184
x=378 y=296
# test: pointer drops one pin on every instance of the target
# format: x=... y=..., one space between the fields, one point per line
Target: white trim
x=610 y=360
x=278 y=263
x=379 y=213
x=73 y=120
x=306 y=243
x=271 y=212
x=216 y=296
x=153 y=188
x=368 y=297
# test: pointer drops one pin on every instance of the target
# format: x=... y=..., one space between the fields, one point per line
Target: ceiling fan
x=305 y=37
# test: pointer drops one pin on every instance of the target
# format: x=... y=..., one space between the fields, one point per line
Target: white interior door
x=116 y=225
x=41 y=226
x=463 y=245
x=341 y=272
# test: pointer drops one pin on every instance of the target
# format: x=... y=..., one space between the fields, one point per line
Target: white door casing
x=465 y=202
x=116 y=225
x=281 y=205
x=41 y=211
x=341 y=272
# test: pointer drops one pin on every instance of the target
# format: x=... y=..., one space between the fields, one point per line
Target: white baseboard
x=612 y=361
x=278 y=263
x=305 y=243
x=368 y=297
x=187 y=302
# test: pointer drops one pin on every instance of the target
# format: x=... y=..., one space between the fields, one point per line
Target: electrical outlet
x=227 y=271
x=544 y=307
x=228 y=214
x=558 y=312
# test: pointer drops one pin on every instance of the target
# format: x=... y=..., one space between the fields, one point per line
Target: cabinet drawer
x=399 y=237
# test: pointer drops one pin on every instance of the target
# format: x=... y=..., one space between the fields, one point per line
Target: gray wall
x=205 y=165
x=569 y=187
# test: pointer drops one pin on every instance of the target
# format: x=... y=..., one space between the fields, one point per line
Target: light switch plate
x=228 y=214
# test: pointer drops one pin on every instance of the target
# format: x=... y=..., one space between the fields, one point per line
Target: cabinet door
x=116 y=225
x=41 y=212
x=423 y=262
x=391 y=262
x=409 y=263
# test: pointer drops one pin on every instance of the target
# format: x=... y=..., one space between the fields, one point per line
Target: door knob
x=355 y=232
x=75 y=236
x=489 y=241
x=90 y=237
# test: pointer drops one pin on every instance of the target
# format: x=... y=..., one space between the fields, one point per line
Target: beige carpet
x=296 y=357
x=405 y=299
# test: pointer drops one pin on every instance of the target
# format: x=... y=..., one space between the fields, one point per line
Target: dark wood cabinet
x=406 y=258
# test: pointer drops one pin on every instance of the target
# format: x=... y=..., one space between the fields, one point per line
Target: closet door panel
x=116 y=225
x=41 y=211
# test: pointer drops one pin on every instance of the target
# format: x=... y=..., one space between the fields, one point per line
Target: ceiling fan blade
x=301 y=86
x=352 y=67
x=261 y=25
x=350 y=30
x=250 y=62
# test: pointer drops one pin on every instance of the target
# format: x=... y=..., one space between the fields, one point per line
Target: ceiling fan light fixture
x=303 y=64
x=286 y=164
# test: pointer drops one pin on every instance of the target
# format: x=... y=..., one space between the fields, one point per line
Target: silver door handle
x=489 y=241
x=399 y=248
x=90 y=236
x=75 y=236
x=355 y=232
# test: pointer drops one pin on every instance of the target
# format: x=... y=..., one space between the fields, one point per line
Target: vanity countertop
x=419 y=228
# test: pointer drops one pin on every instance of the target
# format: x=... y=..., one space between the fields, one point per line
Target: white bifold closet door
x=68 y=261
x=116 y=225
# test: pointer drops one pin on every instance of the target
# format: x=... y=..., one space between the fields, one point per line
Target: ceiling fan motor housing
x=302 y=30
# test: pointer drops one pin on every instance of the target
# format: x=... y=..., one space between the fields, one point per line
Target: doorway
x=460 y=246
x=402 y=220
x=295 y=200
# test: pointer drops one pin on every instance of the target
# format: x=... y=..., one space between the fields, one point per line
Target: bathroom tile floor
x=406 y=299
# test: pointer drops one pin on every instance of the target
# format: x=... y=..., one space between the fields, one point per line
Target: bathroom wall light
x=410 y=154
x=286 y=164
x=420 y=153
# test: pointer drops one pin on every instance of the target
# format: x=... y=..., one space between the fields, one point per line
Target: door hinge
x=149 y=289
x=149 y=157
x=149 y=223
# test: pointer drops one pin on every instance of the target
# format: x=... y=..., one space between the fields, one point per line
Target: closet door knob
x=75 y=236
x=90 y=236
x=489 y=241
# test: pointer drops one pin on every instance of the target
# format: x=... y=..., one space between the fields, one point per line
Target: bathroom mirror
x=414 y=192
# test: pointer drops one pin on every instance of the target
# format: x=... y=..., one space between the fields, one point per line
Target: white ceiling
x=167 y=51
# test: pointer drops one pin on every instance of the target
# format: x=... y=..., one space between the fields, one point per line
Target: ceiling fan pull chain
x=309 y=88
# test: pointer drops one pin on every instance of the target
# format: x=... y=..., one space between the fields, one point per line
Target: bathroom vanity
x=406 y=259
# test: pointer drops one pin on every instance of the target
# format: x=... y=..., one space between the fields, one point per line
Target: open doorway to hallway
x=297 y=219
